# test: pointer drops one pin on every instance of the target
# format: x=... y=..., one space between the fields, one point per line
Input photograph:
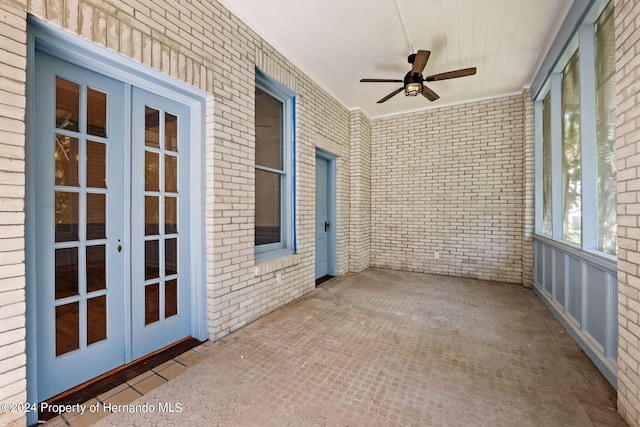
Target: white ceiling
x=338 y=42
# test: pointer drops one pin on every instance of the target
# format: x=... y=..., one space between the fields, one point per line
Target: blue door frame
x=67 y=47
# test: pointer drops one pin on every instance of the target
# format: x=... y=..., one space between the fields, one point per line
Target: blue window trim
x=581 y=12
x=577 y=33
x=287 y=245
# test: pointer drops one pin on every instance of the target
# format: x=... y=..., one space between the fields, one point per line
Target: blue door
x=111 y=190
x=160 y=276
x=79 y=191
x=325 y=229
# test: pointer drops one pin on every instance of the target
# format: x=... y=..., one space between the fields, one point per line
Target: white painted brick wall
x=449 y=180
x=12 y=187
x=360 y=235
x=627 y=31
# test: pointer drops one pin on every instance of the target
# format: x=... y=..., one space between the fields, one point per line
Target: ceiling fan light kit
x=413 y=82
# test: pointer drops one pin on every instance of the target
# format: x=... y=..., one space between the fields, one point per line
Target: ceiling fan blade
x=420 y=61
x=380 y=81
x=429 y=94
x=391 y=95
x=451 y=74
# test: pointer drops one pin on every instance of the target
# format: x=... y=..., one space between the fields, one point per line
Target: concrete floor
x=381 y=348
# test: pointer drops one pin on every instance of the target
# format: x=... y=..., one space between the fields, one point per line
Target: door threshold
x=321 y=280
x=96 y=386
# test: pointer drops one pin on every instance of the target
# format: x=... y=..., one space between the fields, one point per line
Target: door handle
x=326 y=226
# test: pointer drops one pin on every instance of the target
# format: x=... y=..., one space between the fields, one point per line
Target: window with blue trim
x=576 y=138
x=274 y=177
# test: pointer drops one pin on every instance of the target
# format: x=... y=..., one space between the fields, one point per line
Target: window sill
x=269 y=262
x=599 y=258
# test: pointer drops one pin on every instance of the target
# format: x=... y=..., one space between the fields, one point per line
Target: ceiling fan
x=413 y=81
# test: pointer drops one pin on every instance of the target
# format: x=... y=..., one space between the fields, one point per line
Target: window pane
x=170 y=132
x=96 y=165
x=151 y=303
x=571 y=162
x=67 y=105
x=171 y=174
x=267 y=207
x=67 y=328
x=96 y=216
x=66 y=272
x=96 y=113
x=606 y=131
x=546 y=166
x=66 y=155
x=96 y=268
x=268 y=131
x=170 y=215
x=151 y=259
x=171 y=298
x=152 y=127
x=66 y=218
x=151 y=215
x=96 y=319
x=170 y=257
x=151 y=171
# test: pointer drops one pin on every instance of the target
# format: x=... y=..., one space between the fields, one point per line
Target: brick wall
x=243 y=292
x=360 y=235
x=12 y=187
x=450 y=180
x=627 y=31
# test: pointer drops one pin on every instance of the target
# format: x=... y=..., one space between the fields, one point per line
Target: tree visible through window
x=606 y=131
x=546 y=166
x=571 y=147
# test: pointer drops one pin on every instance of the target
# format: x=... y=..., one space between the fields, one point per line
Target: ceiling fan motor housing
x=413 y=84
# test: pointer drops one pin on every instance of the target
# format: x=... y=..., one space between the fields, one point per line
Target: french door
x=160 y=273
x=111 y=186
